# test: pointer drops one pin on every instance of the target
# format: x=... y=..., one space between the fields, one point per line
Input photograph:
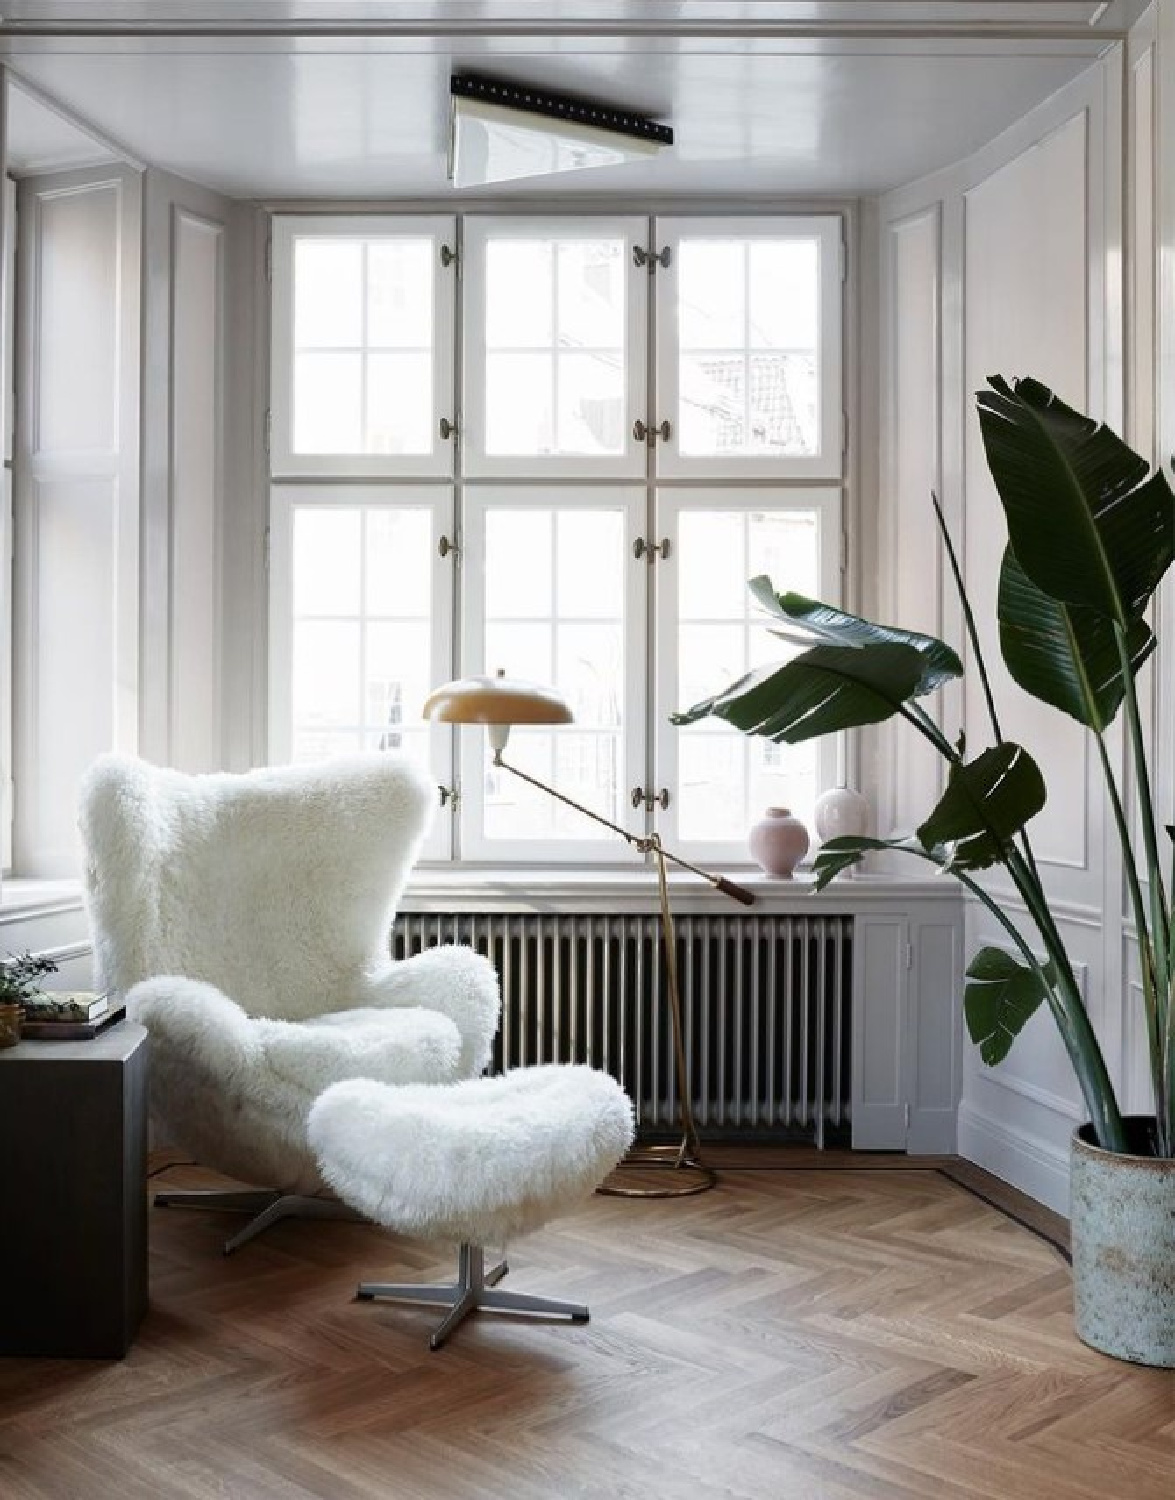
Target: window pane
x=326 y=673
x=361 y=679
x=399 y=403
x=523 y=651
x=591 y=294
x=711 y=799
x=399 y=294
x=363 y=347
x=589 y=584
x=519 y=395
x=783 y=415
x=555 y=348
x=398 y=674
x=711 y=311
x=328 y=294
x=590 y=403
x=784 y=295
x=327 y=408
x=399 y=563
x=588 y=669
x=319 y=744
x=555 y=615
x=519 y=302
x=712 y=419
x=727 y=780
x=518 y=563
x=748 y=345
x=713 y=565
x=786 y=546
x=326 y=562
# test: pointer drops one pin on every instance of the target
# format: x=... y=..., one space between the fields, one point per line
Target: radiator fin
x=766 y=1005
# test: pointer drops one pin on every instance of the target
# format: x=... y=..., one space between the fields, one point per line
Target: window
x=363 y=346
x=560 y=519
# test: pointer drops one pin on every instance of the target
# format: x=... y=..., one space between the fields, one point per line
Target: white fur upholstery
x=475 y=1162
x=246 y=920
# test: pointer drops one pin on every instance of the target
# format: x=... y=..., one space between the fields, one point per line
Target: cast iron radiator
x=766 y=1003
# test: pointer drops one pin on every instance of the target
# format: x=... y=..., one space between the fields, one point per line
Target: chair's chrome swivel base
x=473 y=1291
x=269 y=1207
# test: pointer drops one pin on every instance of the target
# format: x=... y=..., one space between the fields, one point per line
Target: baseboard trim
x=1026 y=1161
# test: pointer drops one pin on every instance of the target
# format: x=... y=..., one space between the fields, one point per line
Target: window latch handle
x=649 y=800
x=646 y=434
x=651 y=550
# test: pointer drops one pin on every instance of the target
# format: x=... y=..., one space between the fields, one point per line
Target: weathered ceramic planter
x=1122 y=1223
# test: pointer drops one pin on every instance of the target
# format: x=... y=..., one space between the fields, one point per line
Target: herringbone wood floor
x=813 y=1334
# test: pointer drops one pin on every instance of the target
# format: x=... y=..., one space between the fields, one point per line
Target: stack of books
x=70 y=1016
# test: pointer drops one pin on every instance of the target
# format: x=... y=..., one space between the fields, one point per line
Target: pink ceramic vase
x=778 y=842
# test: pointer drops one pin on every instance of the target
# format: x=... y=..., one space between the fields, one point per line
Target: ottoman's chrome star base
x=475 y=1290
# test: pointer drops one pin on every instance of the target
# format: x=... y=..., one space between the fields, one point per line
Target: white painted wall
x=76 y=497
x=1016 y=262
x=184 y=399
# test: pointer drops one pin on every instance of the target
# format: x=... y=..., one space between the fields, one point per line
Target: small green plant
x=19 y=973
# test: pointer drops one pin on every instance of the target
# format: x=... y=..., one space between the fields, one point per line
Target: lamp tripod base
x=691 y=1174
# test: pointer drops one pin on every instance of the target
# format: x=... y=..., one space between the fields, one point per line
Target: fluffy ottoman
x=475 y=1162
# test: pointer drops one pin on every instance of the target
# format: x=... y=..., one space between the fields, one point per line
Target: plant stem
x=1073 y=1021
x=968 y=618
x=915 y=714
x=1145 y=948
x=1160 y=917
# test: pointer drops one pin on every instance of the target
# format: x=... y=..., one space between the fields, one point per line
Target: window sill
x=471 y=888
x=23 y=898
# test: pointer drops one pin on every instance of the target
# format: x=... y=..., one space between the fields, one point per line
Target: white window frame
x=476 y=463
x=286 y=228
x=474 y=752
x=284 y=500
x=828 y=463
x=671 y=504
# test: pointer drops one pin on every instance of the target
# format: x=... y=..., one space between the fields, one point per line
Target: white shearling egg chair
x=246 y=921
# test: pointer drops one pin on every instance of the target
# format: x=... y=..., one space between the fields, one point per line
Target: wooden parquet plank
x=824 y=1333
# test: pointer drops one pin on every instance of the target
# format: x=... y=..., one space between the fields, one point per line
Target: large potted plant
x=1091 y=532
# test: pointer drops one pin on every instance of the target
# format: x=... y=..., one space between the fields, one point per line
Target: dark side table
x=73 y=1194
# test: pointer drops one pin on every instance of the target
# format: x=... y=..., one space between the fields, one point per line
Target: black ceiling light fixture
x=501 y=131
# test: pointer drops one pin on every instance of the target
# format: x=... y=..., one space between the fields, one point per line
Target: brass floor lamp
x=499 y=703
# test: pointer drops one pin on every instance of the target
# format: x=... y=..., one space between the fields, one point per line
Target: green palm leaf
x=986 y=803
x=837 y=628
x=840 y=854
x=1001 y=998
x=1065 y=654
x=826 y=689
x=1086 y=524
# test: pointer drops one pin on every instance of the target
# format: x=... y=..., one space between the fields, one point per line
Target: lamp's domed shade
x=496 y=700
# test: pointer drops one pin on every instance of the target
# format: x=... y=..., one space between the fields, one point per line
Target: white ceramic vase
x=841 y=813
x=778 y=842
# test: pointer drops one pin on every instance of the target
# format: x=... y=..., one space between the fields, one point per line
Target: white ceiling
x=349 y=100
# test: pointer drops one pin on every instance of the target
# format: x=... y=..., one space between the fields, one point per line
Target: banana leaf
x=837 y=628
x=826 y=689
x=986 y=803
x=1086 y=524
x=1001 y=998
x=1065 y=654
x=840 y=854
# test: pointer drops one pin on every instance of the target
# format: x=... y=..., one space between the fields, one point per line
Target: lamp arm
x=644 y=845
